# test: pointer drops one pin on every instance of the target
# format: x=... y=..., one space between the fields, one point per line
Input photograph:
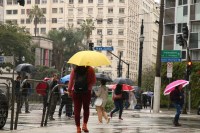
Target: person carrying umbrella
x=82 y=78
x=176 y=96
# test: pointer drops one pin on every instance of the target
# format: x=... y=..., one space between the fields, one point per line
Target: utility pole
x=157 y=82
x=119 y=65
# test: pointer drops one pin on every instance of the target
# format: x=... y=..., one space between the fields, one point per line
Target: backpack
x=80 y=83
x=41 y=88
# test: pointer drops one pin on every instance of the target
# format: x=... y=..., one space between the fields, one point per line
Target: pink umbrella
x=170 y=87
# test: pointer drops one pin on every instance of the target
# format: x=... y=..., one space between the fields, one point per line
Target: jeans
x=178 y=112
x=118 y=106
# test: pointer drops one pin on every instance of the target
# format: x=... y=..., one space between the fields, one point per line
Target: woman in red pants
x=82 y=78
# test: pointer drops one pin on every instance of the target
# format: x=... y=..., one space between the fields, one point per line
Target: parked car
x=198 y=111
x=3 y=109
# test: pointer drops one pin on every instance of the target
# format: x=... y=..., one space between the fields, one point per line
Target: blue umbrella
x=65 y=78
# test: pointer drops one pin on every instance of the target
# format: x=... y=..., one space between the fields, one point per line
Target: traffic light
x=21 y=2
x=180 y=40
x=91 y=45
x=185 y=32
x=189 y=67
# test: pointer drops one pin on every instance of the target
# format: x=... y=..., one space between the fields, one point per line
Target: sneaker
x=27 y=112
x=51 y=119
x=177 y=125
x=120 y=119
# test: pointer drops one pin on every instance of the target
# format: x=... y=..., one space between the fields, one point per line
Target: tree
x=87 y=27
x=36 y=14
x=148 y=78
x=16 y=41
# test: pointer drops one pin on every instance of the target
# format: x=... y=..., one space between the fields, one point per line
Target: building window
x=110 y=10
x=60 y=10
x=22 y=21
x=70 y=21
x=54 y=20
x=121 y=1
x=182 y=2
x=90 y=1
x=44 y=10
x=44 y=1
x=121 y=10
x=54 y=10
x=43 y=21
x=9 y=2
x=100 y=11
x=28 y=1
x=28 y=21
x=90 y=10
x=71 y=1
x=99 y=42
x=43 y=30
x=37 y=1
x=109 y=32
x=99 y=31
x=180 y=26
x=70 y=12
x=120 y=32
x=185 y=11
x=61 y=1
x=15 y=11
x=196 y=1
x=55 y=1
x=110 y=21
x=120 y=42
x=80 y=1
x=79 y=21
x=100 y=1
x=109 y=42
x=110 y=1
x=99 y=21
x=8 y=12
x=80 y=11
x=121 y=21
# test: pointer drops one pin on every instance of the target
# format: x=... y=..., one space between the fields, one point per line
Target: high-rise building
x=178 y=14
x=116 y=24
x=1 y=11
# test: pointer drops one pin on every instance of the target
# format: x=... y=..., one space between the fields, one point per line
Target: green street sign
x=171 y=54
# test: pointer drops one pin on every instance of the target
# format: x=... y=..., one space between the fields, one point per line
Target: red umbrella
x=125 y=87
x=42 y=87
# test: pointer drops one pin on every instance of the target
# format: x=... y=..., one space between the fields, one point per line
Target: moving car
x=3 y=109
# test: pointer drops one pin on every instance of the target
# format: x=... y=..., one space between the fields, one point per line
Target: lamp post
x=140 y=64
x=23 y=59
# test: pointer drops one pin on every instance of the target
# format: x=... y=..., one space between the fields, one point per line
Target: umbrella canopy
x=89 y=58
x=101 y=76
x=123 y=81
x=148 y=93
x=125 y=87
x=170 y=87
x=65 y=79
x=25 y=67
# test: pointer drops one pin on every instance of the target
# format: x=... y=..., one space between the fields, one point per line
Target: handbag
x=98 y=101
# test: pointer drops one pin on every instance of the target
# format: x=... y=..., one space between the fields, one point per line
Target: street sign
x=169 y=67
x=170 y=54
x=103 y=48
x=169 y=75
x=170 y=59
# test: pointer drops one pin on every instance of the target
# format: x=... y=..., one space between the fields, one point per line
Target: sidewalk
x=135 y=121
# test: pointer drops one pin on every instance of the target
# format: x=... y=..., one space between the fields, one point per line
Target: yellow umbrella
x=89 y=58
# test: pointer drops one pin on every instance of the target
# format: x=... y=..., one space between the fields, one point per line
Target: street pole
x=119 y=65
x=157 y=82
x=140 y=56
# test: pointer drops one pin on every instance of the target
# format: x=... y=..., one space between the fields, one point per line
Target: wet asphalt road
x=134 y=122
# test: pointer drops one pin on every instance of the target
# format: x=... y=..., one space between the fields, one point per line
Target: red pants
x=81 y=99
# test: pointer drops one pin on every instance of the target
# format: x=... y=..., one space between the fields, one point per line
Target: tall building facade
x=178 y=14
x=149 y=12
x=116 y=24
x=1 y=12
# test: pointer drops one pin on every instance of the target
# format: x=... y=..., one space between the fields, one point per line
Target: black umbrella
x=123 y=81
x=25 y=67
x=101 y=76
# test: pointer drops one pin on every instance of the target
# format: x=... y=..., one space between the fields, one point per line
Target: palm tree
x=36 y=14
x=87 y=27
